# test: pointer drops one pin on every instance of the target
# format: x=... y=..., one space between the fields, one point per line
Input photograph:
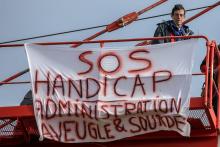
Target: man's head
x=178 y=14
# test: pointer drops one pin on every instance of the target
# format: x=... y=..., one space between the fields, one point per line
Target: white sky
x=28 y=18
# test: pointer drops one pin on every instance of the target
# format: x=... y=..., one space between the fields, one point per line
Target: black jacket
x=167 y=28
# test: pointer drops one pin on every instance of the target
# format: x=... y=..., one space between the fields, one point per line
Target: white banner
x=105 y=94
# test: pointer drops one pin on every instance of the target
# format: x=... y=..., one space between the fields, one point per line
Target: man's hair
x=178 y=7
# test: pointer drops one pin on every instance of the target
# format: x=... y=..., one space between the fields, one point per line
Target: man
x=173 y=27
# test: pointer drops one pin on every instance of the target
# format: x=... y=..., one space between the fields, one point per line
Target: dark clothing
x=215 y=82
x=28 y=99
x=168 y=28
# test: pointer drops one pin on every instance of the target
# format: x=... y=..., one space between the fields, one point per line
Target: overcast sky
x=29 y=18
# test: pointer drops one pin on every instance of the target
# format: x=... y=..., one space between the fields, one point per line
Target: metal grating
x=16 y=127
x=201 y=115
x=7 y=129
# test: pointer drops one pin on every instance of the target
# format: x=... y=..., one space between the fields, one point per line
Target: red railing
x=18 y=113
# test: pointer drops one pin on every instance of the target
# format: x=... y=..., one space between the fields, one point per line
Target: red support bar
x=14 y=76
x=218 y=110
x=207 y=73
x=16 y=111
x=23 y=82
x=109 y=41
x=202 y=12
x=121 y=22
x=90 y=38
x=151 y=7
x=212 y=47
x=196 y=103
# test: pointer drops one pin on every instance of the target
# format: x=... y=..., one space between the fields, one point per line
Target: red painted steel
x=206 y=72
x=22 y=82
x=109 y=41
x=90 y=38
x=16 y=111
x=121 y=22
x=14 y=76
x=202 y=12
x=218 y=111
x=151 y=7
x=212 y=47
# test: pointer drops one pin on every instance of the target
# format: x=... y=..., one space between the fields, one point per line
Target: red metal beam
x=22 y=82
x=91 y=37
x=218 y=82
x=121 y=22
x=14 y=76
x=197 y=103
x=202 y=12
x=206 y=73
x=151 y=7
x=212 y=47
x=16 y=112
x=110 y=41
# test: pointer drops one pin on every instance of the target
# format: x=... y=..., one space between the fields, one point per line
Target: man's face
x=178 y=17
